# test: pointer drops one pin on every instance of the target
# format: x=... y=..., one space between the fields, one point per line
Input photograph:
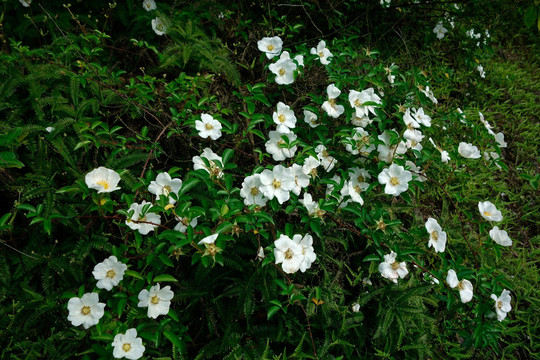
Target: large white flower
x=284 y=69
x=128 y=345
x=409 y=121
x=213 y=169
x=328 y=162
x=440 y=30
x=251 y=191
x=164 y=185
x=323 y=53
x=395 y=178
x=109 y=273
x=102 y=180
x=271 y=46
x=464 y=286
x=437 y=237
x=284 y=118
x=386 y=151
x=277 y=183
x=330 y=106
x=86 y=310
x=502 y=304
x=500 y=236
x=309 y=256
x=414 y=138
x=273 y=145
x=159 y=26
x=391 y=269
x=208 y=127
x=148 y=221
x=468 y=151
x=156 y=300
x=489 y=211
x=149 y=5
x=288 y=253
x=310 y=166
x=358 y=100
x=25 y=3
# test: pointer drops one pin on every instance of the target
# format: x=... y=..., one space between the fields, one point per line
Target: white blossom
x=164 y=186
x=159 y=26
x=251 y=192
x=271 y=46
x=288 y=253
x=128 y=345
x=464 y=286
x=395 y=178
x=208 y=127
x=502 y=304
x=391 y=269
x=284 y=118
x=213 y=169
x=323 y=53
x=489 y=211
x=284 y=69
x=500 y=236
x=103 y=180
x=437 y=237
x=278 y=152
x=148 y=220
x=156 y=300
x=109 y=273
x=277 y=183
x=330 y=106
x=468 y=151
x=149 y=5
x=86 y=310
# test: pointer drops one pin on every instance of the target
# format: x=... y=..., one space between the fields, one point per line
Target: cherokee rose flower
x=284 y=69
x=143 y=227
x=273 y=145
x=429 y=94
x=396 y=179
x=502 y=304
x=277 y=183
x=149 y=5
x=489 y=211
x=128 y=345
x=213 y=169
x=159 y=26
x=465 y=287
x=288 y=253
x=156 y=300
x=439 y=30
x=86 y=310
x=311 y=119
x=361 y=142
x=437 y=237
x=500 y=236
x=499 y=138
x=208 y=127
x=251 y=191
x=391 y=269
x=312 y=207
x=323 y=53
x=328 y=162
x=209 y=243
x=480 y=69
x=309 y=256
x=421 y=117
x=330 y=106
x=358 y=99
x=271 y=46
x=164 y=185
x=102 y=180
x=355 y=307
x=301 y=180
x=184 y=222
x=468 y=151
x=284 y=118
x=109 y=273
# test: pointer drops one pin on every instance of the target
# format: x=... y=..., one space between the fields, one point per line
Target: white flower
x=309 y=256
x=164 y=185
x=312 y=207
x=184 y=222
x=85 y=311
x=273 y=145
x=128 y=345
x=468 y=151
x=323 y=53
x=362 y=143
x=156 y=300
x=480 y=69
x=413 y=137
x=358 y=99
x=356 y=307
x=288 y=253
x=102 y=179
x=109 y=273
x=439 y=30
x=437 y=237
x=49 y=129
x=311 y=119
x=421 y=117
x=208 y=127
x=149 y=221
x=159 y=26
x=385 y=3
x=330 y=106
x=301 y=180
x=277 y=183
x=251 y=191
x=416 y=171
x=25 y=3
x=486 y=123
x=444 y=154
x=284 y=69
x=429 y=94
x=310 y=166
x=209 y=243
x=499 y=138
x=260 y=254
x=500 y=236
x=149 y=5
x=409 y=121
x=327 y=161
x=465 y=287
x=396 y=179
x=360 y=121
x=489 y=211
x=284 y=118
x=387 y=152
x=391 y=269
x=271 y=46
x=358 y=178
x=502 y=304
x=213 y=169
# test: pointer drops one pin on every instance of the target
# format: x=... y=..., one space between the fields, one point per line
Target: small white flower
x=480 y=69
x=156 y=300
x=308 y=253
x=465 y=287
x=409 y=121
x=468 y=151
x=49 y=129
x=299 y=59
x=416 y=171
x=358 y=99
x=271 y=46
x=330 y=106
x=323 y=53
x=500 y=236
x=288 y=253
x=439 y=30
x=284 y=118
x=356 y=307
x=213 y=169
x=86 y=310
x=502 y=304
x=328 y=162
x=421 y=117
x=159 y=26
x=208 y=127
x=312 y=207
x=284 y=69
x=437 y=237
x=251 y=191
x=489 y=211
x=499 y=138
x=414 y=138
x=128 y=345
x=386 y=151
x=260 y=254
x=209 y=243
x=148 y=221
x=429 y=94
x=277 y=183
x=310 y=166
x=273 y=145
x=301 y=180
x=362 y=143
x=25 y=3
x=109 y=273
x=184 y=222
x=391 y=269
x=396 y=179
x=164 y=185
x=103 y=180
x=311 y=119
x=149 y=5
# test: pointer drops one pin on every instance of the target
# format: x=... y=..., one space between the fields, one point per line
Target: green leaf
x=133 y=274
x=165 y=277
x=227 y=154
x=530 y=16
x=173 y=338
x=188 y=185
x=272 y=311
x=316 y=227
x=372 y=258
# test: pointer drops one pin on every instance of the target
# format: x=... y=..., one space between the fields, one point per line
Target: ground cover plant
x=337 y=180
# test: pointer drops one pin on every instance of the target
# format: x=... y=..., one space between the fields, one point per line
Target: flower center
x=276 y=184
x=395 y=265
x=357 y=103
x=281 y=118
x=487 y=213
x=461 y=286
x=212 y=249
x=394 y=181
x=499 y=304
x=321 y=54
x=103 y=183
x=281 y=71
x=360 y=178
x=126 y=347
x=435 y=235
x=142 y=218
x=85 y=310
x=332 y=102
x=358 y=189
x=289 y=254
x=270 y=47
x=209 y=126
x=111 y=274
x=320 y=213
x=414 y=143
x=254 y=191
x=166 y=190
x=325 y=154
x=155 y=300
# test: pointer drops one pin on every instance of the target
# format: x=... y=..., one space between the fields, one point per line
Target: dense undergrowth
x=91 y=85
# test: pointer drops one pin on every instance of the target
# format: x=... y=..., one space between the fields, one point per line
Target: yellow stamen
x=155 y=299
x=281 y=118
x=276 y=184
x=289 y=254
x=126 y=347
x=270 y=47
x=435 y=235
x=209 y=126
x=281 y=72
x=85 y=310
x=111 y=274
x=395 y=265
x=103 y=183
x=254 y=191
x=394 y=181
